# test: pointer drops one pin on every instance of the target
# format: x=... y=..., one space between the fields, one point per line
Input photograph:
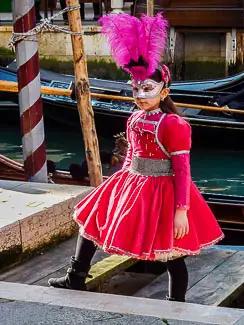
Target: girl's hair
x=166 y=105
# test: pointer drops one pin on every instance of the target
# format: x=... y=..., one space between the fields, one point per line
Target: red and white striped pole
x=31 y=113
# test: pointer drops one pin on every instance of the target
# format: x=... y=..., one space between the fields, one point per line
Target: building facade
x=205 y=36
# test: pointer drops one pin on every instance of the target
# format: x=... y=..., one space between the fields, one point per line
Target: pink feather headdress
x=136 y=44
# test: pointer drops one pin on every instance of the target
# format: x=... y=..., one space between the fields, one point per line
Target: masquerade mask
x=146 y=89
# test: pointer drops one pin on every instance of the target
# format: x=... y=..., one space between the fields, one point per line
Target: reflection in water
x=215 y=171
x=63 y=146
x=218 y=171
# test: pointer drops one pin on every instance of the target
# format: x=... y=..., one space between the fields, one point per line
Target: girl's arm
x=177 y=135
x=181 y=168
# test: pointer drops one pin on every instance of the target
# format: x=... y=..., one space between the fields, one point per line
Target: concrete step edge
x=121 y=304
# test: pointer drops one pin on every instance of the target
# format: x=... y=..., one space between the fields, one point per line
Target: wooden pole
x=11 y=86
x=150 y=8
x=83 y=97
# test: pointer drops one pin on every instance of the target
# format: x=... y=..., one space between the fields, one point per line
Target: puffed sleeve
x=177 y=141
x=129 y=152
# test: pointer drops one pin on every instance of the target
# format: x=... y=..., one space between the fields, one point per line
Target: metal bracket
x=172 y=41
x=234 y=45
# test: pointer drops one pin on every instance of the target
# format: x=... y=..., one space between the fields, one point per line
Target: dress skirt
x=133 y=215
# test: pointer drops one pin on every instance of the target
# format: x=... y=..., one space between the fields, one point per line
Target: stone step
x=107 y=308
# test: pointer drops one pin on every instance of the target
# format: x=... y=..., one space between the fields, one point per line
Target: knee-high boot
x=80 y=265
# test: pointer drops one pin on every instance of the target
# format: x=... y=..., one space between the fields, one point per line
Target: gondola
x=14 y=171
x=227 y=209
x=215 y=85
x=209 y=128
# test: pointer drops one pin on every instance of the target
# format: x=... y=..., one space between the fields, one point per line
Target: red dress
x=132 y=213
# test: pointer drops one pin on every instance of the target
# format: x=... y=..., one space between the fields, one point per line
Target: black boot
x=80 y=266
x=175 y=299
x=74 y=279
x=169 y=299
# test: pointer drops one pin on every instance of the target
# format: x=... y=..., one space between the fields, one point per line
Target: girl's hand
x=181 y=225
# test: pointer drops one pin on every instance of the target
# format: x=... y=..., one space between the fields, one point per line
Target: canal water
x=213 y=170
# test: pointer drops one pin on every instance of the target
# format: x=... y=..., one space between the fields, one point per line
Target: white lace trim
x=157 y=139
x=153 y=112
x=159 y=255
x=180 y=152
x=147 y=121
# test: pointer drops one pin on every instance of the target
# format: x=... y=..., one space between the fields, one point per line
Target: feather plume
x=139 y=73
x=122 y=32
x=155 y=38
x=136 y=44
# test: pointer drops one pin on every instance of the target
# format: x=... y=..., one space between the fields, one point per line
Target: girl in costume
x=150 y=209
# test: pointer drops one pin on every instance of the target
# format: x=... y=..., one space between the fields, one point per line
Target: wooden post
x=150 y=8
x=240 y=48
x=83 y=98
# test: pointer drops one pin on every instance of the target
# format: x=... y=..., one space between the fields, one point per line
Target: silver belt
x=151 y=167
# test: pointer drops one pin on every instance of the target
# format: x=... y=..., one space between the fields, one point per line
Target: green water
x=215 y=171
x=218 y=171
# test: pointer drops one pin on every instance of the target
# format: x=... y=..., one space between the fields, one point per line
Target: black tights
x=178 y=279
x=178 y=275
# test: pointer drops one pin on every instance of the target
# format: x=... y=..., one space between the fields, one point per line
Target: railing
x=11 y=86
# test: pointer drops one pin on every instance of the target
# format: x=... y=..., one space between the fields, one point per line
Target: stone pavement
x=21 y=313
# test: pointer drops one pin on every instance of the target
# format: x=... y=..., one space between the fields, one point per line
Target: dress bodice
x=159 y=136
x=145 y=135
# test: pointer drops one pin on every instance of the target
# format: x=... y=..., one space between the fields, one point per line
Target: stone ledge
x=120 y=304
x=33 y=214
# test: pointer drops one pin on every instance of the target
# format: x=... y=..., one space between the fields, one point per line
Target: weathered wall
x=205 y=46
x=58 y=45
x=198 y=55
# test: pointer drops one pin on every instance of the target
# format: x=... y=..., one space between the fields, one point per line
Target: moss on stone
x=6 y=56
x=197 y=70
x=106 y=69
x=15 y=256
x=235 y=68
x=5 y=51
x=8 y=257
x=98 y=68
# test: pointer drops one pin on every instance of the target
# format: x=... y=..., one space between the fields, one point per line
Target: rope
x=45 y=25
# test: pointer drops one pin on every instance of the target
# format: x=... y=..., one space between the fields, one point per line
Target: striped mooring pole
x=30 y=102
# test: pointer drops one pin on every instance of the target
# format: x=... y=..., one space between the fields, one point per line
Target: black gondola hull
x=206 y=131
